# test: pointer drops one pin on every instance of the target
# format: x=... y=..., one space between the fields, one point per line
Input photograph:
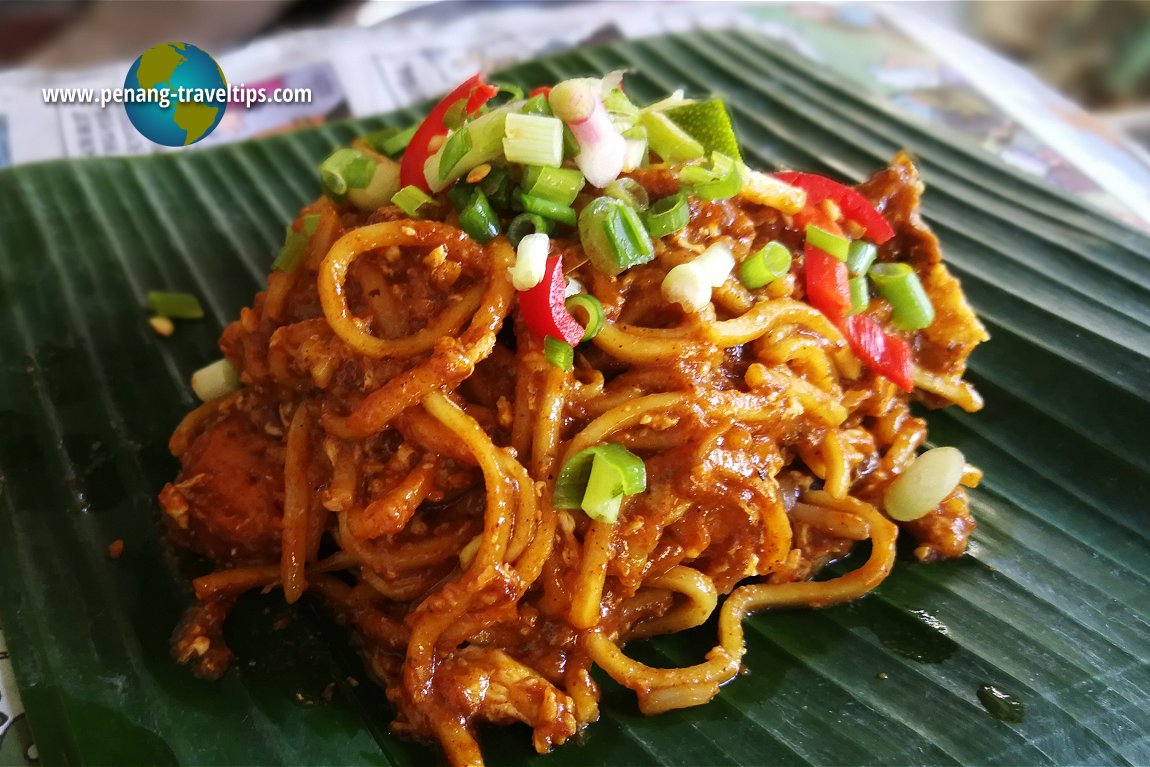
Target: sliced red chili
x=827 y=281
x=542 y=90
x=853 y=205
x=886 y=355
x=419 y=149
x=543 y=306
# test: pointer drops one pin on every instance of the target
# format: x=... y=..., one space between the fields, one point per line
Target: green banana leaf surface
x=1051 y=605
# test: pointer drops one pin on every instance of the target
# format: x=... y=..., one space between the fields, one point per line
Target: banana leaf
x=1050 y=605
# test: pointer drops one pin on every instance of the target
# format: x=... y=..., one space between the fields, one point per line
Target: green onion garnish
x=559 y=185
x=456 y=115
x=831 y=244
x=860 y=295
x=346 y=169
x=570 y=144
x=456 y=148
x=525 y=224
x=478 y=219
x=394 y=146
x=617 y=103
x=177 y=306
x=295 y=244
x=541 y=206
x=636 y=152
x=390 y=141
x=533 y=140
x=411 y=199
x=668 y=140
x=860 y=256
x=603 y=496
x=559 y=353
x=720 y=180
x=628 y=236
x=592 y=310
x=536 y=105
x=668 y=215
x=497 y=186
x=596 y=479
x=630 y=191
x=459 y=194
x=897 y=283
x=771 y=262
x=613 y=236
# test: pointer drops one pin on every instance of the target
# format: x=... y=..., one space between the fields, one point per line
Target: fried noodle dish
x=536 y=379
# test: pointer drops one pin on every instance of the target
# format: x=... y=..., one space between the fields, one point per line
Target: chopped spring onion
x=391 y=141
x=668 y=215
x=628 y=237
x=478 y=219
x=636 y=154
x=765 y=266
x=295 y=244
x=533 y=140
x=668 y=140
x=829 y=243
x=346 y=169
x=559 y=353
x=486 y=136
x=559 y=185
x=690 y=284
x=456 y=115
x=926 y=483
x=216 y=380
x=897 y=283
x=603 y=496
x=709 y=124
x=379 y=191
x=455 y=149
x=526 y=224
x=541 y=206
x=616 y=102
x=511 y=90
x=570 y=145
x=630 y=191
x=601 y=147
x=860 y=257
x=599 y=492
x=497 y=186
x=530 y=261
x=860 y=295
x=460 y=194
x=411 y=199
x=575 y=100
x=536 y=105
x=177 y=306
x=586 y=304
x=720 y=180
x=613 y=236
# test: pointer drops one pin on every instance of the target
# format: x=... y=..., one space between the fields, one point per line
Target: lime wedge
x=708 y=123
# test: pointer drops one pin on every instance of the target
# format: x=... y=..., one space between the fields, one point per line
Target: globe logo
x=189 y=94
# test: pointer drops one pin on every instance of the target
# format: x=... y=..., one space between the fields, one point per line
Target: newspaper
x=919 y=66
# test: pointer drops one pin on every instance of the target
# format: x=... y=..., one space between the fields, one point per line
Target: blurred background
x=1095 y=51
x=945 y=61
